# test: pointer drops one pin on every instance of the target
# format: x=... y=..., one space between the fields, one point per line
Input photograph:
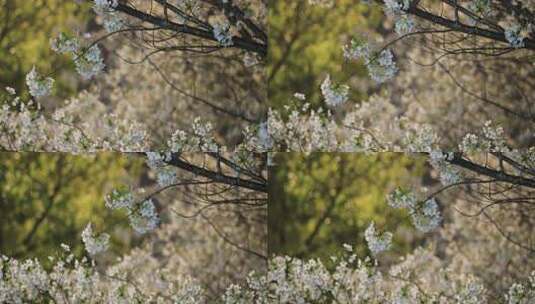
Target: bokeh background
x=48 y=198
x=306 y=44
x=319 y=201
x=163 y=92
x=25 y=32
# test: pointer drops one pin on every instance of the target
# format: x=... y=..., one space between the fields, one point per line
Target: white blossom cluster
x=90 y=62
x=513 y=36
x=256 y=139
x=119 y=199
x=334 y=94
x=305 y=129
x=490 y=139
x=113 y=22
x=37 y=84
x=64 y=44
x=425 y=215
x=58 y=131
x=473 y=292
x=61 y=130
x=297 y=281
x=396 y=7
x=300 y=96
x=11 y=91
x=142 y=215
x=419 y=278
x=522 y=293
x=377 y=242
x=310 y=132
x=23 y=129
x=421 y=139
x=78 y=281
x=166 y=177
x=222 y=34
x=401 y=199
x=381 y=65
x=200 y=138
x=157 y=161
x=124 y=135
x=111 y=19
x=357 y=49
x=21 y=281
x=94 y=244
x=106 y=4
x=448 y=174
x=404 y=23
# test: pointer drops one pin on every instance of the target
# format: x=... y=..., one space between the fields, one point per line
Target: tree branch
x=459 y=27
x=458 y=160
x=216 y=176
x=238 y=42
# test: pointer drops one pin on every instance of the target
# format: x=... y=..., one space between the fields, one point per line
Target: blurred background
x=454 y=92
x=48 y=198
x=25 y=31
x=306 y=44
x=319 y=201
x=206 y=229
x=161 y=92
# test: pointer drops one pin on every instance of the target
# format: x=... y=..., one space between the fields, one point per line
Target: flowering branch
x=238 y=42
x=463 y=28
x=220 y=177
x=458 y=160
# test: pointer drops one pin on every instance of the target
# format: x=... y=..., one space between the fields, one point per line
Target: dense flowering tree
x=476 y=220
x=160 y=60
x=163 y=79
x=447 y=67
x=41 y=200
x=198 y=241
x=144 y=103
x=479 y=215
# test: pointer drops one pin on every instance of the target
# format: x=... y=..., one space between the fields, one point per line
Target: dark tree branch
x=470 y=14
x=237 y=168
x=238 y=42
x=234 y=13
x=513 y=163
x=459 y=27
x=216 y=176
x=458 y=160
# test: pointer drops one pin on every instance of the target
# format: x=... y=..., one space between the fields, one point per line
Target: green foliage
x=306 y=43
x=48 y=198
x=25 y=30
x=322 y=200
